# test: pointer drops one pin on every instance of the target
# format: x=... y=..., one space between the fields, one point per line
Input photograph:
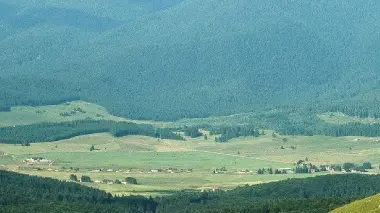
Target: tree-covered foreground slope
x=169 y=59
x=319 y=194
x=23 y=193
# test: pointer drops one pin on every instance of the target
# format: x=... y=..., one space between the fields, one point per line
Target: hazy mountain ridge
x=192 y=58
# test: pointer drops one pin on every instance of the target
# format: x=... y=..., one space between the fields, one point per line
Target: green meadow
x=341 y=118
x=23 y=115
x=195 y=159
x=163 y=166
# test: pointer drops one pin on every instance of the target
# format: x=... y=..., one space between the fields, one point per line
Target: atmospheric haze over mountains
x=170 y=59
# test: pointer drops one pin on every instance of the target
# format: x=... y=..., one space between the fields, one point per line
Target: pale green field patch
x=23 y=115
x=341 y=118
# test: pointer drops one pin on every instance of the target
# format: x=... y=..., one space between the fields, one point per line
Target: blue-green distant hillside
x=169 y=59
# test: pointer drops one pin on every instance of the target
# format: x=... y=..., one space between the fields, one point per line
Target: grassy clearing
x=318 y=149
x=146 y=160
x=23 y=115
x=341 y=118
x=139 y=155
x=155 y=184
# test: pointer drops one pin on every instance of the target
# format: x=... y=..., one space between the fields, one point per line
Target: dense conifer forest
x=20 y=193
x=23 y=193
x=45 y=132
x=352 y=129
x=148 y=60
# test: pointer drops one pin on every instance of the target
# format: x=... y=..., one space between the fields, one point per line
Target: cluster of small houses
x=301 y=167
x=34 y=161
x=42 y=161
x=110 y=182
x=38 y=160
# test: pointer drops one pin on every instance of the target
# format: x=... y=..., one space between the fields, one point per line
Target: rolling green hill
x=369 y=204
x=170 y=59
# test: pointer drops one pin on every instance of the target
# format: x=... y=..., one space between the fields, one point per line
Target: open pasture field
x=319 y=150
x=192 y=161
x=341 y=118
x=163 y=166
x=70 y=111
x=157 y=184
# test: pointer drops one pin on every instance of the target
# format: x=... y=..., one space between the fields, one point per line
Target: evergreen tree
x=270 y=171
x=367 y=165
x=85 y=179
x=131 y=180
x=73 y=177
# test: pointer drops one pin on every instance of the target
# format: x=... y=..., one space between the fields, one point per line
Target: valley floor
x=163 y=166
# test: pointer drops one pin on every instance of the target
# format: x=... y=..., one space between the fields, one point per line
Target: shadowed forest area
x=166 y=60
x=320 y=194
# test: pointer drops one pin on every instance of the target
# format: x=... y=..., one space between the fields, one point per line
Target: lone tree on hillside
x=86 y=179
x=73 y=178
x=131 y=180
x=270 y=170
x=367 y=165
x=300 y=162
x=348 y=166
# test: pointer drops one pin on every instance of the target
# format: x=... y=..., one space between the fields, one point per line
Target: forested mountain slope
x=169 y=59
